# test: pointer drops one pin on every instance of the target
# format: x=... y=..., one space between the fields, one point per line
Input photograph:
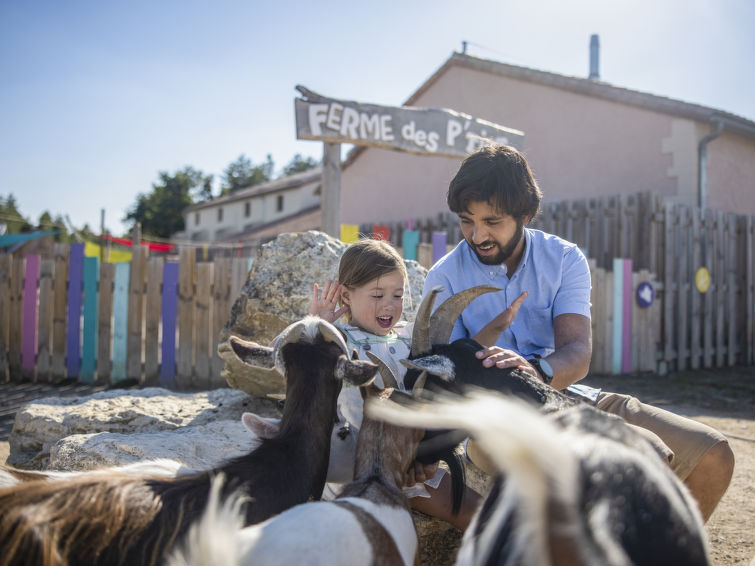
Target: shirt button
x=392 y=350
x=367 y=347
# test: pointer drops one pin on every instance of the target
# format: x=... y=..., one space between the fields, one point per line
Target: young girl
x=369 y=292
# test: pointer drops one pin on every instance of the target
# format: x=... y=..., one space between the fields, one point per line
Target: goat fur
x=575 y=487
x=369 y=523
x=117 y=518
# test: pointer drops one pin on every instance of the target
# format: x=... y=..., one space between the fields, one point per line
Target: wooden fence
x=699 y=326
x=152 y=321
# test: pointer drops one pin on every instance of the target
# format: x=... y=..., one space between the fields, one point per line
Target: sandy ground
x=724 y=399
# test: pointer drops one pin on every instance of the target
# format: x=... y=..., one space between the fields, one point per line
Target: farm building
x=583 y=138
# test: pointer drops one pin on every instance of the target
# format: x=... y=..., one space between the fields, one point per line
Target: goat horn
x=443 y=319
x=419 y=385
x=421 y=336
x=331 y=334
x=389 y=380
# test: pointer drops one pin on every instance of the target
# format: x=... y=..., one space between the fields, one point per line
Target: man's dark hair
x=500 y=176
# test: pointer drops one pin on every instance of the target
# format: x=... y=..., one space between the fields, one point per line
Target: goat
x=571 y=490
x=368 y=523
x=122 y=519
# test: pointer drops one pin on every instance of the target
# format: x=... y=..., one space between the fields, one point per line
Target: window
x=279 y=203
x=196 y=219
x=247 y=209
x=220 y=214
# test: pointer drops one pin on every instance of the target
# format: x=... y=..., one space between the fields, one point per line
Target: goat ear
x=370 y=390
x=356 y=372
x=252 y=353
x=435 y=365
x=261 y=426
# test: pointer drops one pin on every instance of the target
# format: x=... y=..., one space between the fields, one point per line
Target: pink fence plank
x=29 y=315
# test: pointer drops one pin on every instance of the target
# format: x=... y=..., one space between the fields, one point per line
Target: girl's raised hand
x=326 y=305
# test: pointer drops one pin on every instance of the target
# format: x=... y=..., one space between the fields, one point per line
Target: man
x=540 y=321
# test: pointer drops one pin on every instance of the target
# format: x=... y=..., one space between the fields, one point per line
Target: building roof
x=284 y=183
x=588 y=87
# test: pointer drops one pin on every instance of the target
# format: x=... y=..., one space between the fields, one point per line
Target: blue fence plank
x=89 y=342
x=73 y=328
x=169 y=319
x=120 y=321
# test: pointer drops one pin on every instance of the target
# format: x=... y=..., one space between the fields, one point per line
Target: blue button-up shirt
x=554 y=271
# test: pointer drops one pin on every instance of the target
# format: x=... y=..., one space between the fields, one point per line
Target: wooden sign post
x=423 y=131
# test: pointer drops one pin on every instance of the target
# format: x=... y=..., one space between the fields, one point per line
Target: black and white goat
x=368 y=523
x=125 y=519
x=572 y=489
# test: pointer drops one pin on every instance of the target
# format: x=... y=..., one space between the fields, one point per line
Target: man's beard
x=504 y=252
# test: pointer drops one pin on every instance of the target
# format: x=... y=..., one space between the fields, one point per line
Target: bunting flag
x=13 y=239
x=349 y=233
x=153 y=246
x=111 y=256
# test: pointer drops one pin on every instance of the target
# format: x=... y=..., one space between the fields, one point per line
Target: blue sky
x=96 y=98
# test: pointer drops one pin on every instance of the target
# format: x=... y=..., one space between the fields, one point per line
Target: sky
x=97 y=98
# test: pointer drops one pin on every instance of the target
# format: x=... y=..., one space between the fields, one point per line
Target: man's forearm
x=570 y=363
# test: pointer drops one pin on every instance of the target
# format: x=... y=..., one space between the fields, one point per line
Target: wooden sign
x=426 y=131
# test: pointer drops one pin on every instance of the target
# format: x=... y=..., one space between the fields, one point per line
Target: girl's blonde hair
x=366 y=260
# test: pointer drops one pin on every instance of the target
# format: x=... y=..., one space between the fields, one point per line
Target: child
x=370 y=291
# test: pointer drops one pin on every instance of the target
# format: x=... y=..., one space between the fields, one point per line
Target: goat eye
x=281 y=403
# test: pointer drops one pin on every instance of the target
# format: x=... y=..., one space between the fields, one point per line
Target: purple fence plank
x=169 y=317
x=626 y=319
x=73 y=329
x=440 y=241
x=29 y=317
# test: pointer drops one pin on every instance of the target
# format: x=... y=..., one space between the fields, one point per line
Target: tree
x=10 y=215
x=160 y=212
x=298 y=164
x=241 y=174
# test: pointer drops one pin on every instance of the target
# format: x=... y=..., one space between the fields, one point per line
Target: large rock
x=120 y=427
x=278 y=293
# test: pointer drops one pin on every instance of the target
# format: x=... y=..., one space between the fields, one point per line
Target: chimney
x=594 y=58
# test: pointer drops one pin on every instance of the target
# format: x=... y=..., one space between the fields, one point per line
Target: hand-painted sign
x=645 y=294
x=427 y=131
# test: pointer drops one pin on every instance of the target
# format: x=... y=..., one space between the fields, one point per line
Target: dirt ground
x=724 y=399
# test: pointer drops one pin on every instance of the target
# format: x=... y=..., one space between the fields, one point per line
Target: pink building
x=583 y=138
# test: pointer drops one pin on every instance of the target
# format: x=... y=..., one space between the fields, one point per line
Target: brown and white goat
x=368 y=523
x=122 y=519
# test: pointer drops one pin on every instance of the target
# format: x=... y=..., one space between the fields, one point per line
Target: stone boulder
x=120 y=427
x=278 y=292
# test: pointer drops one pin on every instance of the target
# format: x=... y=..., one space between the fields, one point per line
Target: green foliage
x=298 y=164
x=10 y=215
x=241 y=174
x=159 y=212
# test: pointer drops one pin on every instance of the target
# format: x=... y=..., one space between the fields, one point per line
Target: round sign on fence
x=645 y=294
x=702 y=279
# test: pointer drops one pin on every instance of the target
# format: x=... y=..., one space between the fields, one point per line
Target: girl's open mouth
x=385 y=321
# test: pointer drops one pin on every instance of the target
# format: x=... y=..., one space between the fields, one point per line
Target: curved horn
x=420 y=335
x=443 y=319
x=331 y=334
x=389 y=379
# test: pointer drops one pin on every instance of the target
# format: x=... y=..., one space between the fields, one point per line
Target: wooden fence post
x=59 y=315
x=136 y=313
x=186 y=274
x=169 y=318
x=202 y=326
x=29 y=320
x=120 y=322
